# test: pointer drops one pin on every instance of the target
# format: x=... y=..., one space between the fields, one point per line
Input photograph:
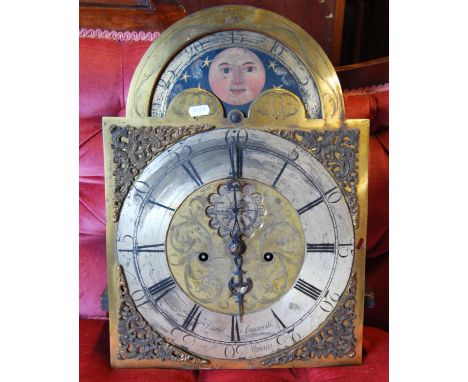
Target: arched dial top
x=168 y=239
x=236 y=66
x=236 y=41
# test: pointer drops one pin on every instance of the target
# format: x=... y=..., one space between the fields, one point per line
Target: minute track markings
x=315 y=203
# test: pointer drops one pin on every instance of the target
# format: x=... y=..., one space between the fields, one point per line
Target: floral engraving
x=206 y=282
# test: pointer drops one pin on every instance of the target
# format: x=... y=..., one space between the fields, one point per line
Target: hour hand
x=239 y=289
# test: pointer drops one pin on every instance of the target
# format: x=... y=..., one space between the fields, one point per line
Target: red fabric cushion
x=94 y=364
x=106 y=69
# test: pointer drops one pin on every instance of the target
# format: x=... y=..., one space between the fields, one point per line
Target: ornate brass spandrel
x=134 y=147
x=335 y=338
x=277 y=106
x=184 y=103
x=138 y=340
x=206 y=282
x=337 y=150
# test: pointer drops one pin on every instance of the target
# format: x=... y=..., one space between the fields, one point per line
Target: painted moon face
x=236 y=76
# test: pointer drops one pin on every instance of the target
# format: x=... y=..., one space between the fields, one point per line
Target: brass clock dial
x=291 y=217
x=236 y=201
x=274 y=241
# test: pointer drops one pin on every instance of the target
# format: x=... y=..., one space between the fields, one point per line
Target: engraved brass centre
x=277 y=232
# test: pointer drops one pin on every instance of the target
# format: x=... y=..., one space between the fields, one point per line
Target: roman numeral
x=278 y=319
x=279 y=174
x=236 y=159
x=325 y=247
x=188 y=166
x=160 y=205
x=156 y=248
x=307 y=289
x=235 y=337
x=192 y=319
x=313 y=204
x=162 y=288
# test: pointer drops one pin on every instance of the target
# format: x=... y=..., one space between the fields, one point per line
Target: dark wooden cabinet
x=349 y=31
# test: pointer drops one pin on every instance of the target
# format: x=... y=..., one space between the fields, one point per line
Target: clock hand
x=234 y=185
x=240 y=287
x=237 y=247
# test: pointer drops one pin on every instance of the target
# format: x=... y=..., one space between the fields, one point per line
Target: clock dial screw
x=268 y=256
x=235 y=116
x=203 y=256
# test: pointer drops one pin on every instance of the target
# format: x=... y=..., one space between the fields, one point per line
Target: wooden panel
x=117 y=3
x=129 y=15
x=374 y=72
x=322 y=19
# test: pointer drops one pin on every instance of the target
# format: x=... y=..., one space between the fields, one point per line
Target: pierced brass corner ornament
x=337 y=151
x=138 y=340
x=135 y=148
x=236 y=192
x=336 y=338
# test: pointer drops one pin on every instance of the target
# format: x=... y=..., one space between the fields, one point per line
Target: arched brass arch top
x=234 y=17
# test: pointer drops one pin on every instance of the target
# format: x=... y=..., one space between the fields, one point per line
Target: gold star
x=272 y=65
x=278 y=87
x=206 y=62
x=185 y=77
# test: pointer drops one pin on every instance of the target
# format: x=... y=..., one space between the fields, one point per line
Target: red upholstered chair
x=107 y=63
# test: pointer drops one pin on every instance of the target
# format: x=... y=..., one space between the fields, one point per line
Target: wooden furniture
x=322 y=19
x=363 y=74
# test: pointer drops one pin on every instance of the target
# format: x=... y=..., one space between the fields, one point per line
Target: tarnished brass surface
x=138 y=340
x=134 y=148
x=336 y=338
x=278 y=104
x=234 y=17
x=182 y=103
x=340 y=145
x=318 y=126
x=206 y=282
